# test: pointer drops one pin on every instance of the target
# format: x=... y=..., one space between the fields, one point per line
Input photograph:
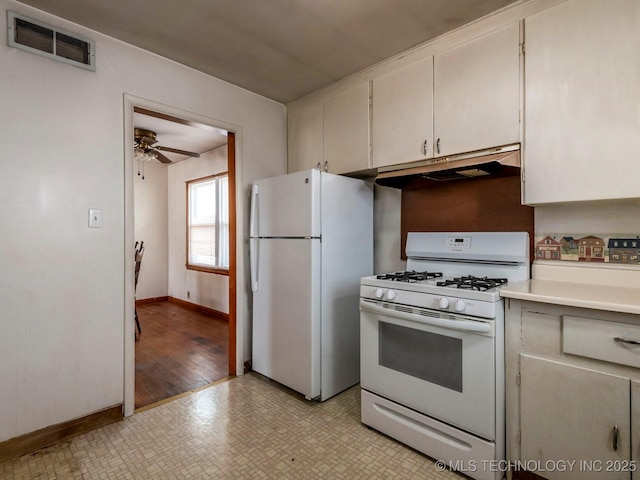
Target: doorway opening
x=186 y=312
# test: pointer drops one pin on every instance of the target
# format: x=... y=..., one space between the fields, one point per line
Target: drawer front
x=602 y=340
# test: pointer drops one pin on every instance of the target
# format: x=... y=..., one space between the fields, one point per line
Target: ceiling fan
x=144 y=141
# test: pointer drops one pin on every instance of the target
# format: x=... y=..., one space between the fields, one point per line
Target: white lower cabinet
x=635 y=420
x=572 y=392
x=572 y=414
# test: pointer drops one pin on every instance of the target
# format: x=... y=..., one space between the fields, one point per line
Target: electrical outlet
x=95 y=218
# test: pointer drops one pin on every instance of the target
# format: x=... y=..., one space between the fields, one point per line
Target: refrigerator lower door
x=286 y=313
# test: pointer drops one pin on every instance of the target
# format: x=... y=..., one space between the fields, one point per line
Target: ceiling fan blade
x=161 y=157
x=179 y=152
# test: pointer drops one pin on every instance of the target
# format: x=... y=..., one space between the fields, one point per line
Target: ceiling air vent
x=37 y=37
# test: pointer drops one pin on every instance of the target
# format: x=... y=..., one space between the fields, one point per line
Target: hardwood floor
x=179 y=349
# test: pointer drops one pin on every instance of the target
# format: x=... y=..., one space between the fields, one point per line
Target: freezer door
x=286 y=313
x=286 y=206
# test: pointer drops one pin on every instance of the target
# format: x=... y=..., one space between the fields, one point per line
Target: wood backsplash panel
x=477 y=205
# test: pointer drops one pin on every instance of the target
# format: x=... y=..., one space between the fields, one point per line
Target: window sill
x=200 y=268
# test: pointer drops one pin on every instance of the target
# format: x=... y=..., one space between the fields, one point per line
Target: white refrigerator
x=311 y=240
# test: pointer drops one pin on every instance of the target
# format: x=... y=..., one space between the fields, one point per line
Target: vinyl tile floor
x=243 y=428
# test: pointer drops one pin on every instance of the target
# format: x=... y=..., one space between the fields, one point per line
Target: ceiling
x=281 y=49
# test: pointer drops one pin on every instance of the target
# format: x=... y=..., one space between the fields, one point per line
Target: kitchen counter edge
x=582 y=295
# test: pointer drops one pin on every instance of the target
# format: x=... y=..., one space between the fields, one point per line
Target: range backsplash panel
x=589 y=247
x=477 y=205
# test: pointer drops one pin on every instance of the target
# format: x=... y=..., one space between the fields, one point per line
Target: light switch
x=95 y=218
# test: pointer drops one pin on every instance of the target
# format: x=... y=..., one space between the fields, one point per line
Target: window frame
x=199 y=267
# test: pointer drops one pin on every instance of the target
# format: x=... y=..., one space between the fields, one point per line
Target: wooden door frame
x=231 y=168
x=130 y=103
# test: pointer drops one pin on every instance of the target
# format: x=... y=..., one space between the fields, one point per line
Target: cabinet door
x=477 y=93
x=635 y=426
x=581 y=102
x=403 y=114
x=570 y=413
x=346 y=130
x=305 y=144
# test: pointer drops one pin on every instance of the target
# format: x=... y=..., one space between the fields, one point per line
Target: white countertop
x=583 y=295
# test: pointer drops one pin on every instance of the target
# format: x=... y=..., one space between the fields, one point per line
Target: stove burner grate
x=473 y=283
x=409 y=276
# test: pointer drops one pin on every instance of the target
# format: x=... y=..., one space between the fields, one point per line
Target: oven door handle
x=462 y=325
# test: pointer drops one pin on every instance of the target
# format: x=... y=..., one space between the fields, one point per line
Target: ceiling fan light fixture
x=140 y=154
x=145 y=148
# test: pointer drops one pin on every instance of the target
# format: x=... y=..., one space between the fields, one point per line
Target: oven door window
x=424 y=355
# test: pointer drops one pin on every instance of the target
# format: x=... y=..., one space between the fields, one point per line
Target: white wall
x=386 y=235
x=65 y=293
x=152 y=227
x=206 y=289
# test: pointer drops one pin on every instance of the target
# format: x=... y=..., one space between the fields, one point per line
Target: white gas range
x=432 y=346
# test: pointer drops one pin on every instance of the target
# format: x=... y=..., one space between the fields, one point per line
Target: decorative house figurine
x=568 y=244
x=624 y=250
x=548 y=249
x=591 y=249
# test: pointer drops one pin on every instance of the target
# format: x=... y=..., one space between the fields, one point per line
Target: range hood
x=500 y=161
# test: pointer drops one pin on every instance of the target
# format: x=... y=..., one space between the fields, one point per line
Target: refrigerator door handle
x=253 y=258
x=254 y=209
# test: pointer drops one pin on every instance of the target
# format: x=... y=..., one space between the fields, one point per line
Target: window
x=208 y=224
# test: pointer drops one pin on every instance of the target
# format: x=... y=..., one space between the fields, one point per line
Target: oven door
x=439 y=364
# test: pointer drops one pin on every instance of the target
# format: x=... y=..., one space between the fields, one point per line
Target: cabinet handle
x=626 y=340
x=326 y=166
x=438 y=146
x=615 y=438
x=424 y=148
x=319 y=166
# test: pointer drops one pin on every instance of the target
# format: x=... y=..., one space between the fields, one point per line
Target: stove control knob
x=379 y=293
x=460 y=306
x=391 y=295
x=444 y=302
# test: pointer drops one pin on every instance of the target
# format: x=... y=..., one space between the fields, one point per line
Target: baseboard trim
x=144 y=301
x=199 y=308
x=30 y=442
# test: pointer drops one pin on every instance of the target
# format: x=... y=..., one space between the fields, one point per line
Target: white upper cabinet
x=346 y=130
x=305 y=137
x=582 y=97
x=331 y=132
x=402 y=126
x=477 y=93
x=465 y=98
